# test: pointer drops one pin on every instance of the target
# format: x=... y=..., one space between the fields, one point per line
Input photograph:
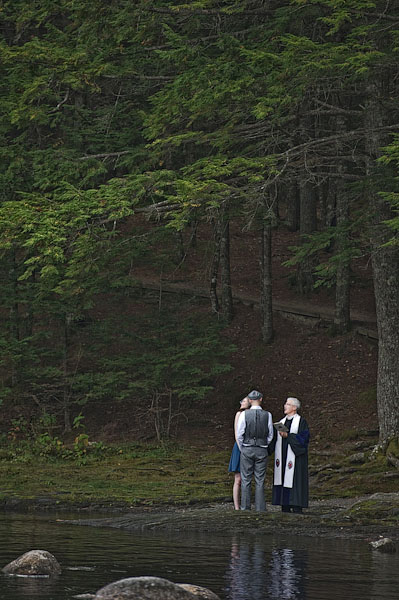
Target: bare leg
x=237 y=491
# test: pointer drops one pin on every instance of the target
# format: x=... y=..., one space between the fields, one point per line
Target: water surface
x=244 y=567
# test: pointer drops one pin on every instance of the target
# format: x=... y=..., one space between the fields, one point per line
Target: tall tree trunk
x=307 y=208
x=342 y=288
x=275 y=203
x=308 y=198
x=193 y=237
x=292 y=216
x=324 y=187
x=28 y=316
x=215 y=267
x=386 y=287
x=330 y=218
x=266 y=282
x=14 y=320
x=385 y=261
x=66 y=394
x=227 y=296
x=14 y=308
x=181 y=253
x=156 y=410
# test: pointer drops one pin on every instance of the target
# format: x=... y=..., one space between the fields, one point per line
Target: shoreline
x=367 y=517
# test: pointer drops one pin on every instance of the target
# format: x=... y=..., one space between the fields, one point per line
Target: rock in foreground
x=148 y=588
x=34 y=562
x=199 y=592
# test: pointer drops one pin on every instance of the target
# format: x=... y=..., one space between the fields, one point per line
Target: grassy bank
x=134 y=474
x=138 y=474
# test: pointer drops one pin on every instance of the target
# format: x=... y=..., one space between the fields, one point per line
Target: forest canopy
x=204 y=111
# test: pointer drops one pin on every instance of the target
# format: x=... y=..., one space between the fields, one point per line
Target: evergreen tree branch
x=206 y=11
x=141 y=76
x=193 y=41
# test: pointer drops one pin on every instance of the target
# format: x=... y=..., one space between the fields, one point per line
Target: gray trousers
x=253 y=463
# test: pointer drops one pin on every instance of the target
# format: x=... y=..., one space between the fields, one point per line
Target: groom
x=254 y=434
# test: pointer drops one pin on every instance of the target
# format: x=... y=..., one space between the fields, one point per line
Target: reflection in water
x=381 y=568
x=247 y=572
x=287 y=574
x=30 y=587
x=256 y=573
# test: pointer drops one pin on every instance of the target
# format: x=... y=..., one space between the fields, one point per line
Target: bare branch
x=61 y=102
x=158 y=208
x=337 y=109
x=382 y=16
x=356 y=133
x=104 y=155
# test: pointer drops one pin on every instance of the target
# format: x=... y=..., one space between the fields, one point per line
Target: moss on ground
x=351 y=469
x=393 y=448
x=135 y=475
x=375 y=510
x=131 y=474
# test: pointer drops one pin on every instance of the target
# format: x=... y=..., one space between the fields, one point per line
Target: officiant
x=290 y=444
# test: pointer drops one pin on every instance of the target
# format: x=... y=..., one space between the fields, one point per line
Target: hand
x=283 y=434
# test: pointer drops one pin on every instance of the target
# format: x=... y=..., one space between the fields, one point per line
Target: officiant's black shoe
x=286 y=508
x=297 y=509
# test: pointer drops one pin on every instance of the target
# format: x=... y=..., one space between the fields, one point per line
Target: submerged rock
x=384 y=545
x=33 y=563
x=143 y=588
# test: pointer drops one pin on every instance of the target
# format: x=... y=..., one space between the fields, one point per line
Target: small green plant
x=80 y=447
x=47 y=421
x=18 y=429
x=47 y=445
x=78 y=422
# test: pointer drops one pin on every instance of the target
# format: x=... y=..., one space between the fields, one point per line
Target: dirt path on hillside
x=303 y=310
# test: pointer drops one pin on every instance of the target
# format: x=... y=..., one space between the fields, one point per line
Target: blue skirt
x=234 y=464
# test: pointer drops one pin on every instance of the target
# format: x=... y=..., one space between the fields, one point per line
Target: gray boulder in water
x=384 y=545
x=199 y=592
x=144 y=588
x=34 y=562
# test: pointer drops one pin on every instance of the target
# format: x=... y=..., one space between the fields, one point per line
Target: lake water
x=253 y=567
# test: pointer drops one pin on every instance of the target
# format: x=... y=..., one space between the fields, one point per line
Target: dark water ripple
x=253 y=567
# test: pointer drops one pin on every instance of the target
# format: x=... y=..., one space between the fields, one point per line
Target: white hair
x=295 y=402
